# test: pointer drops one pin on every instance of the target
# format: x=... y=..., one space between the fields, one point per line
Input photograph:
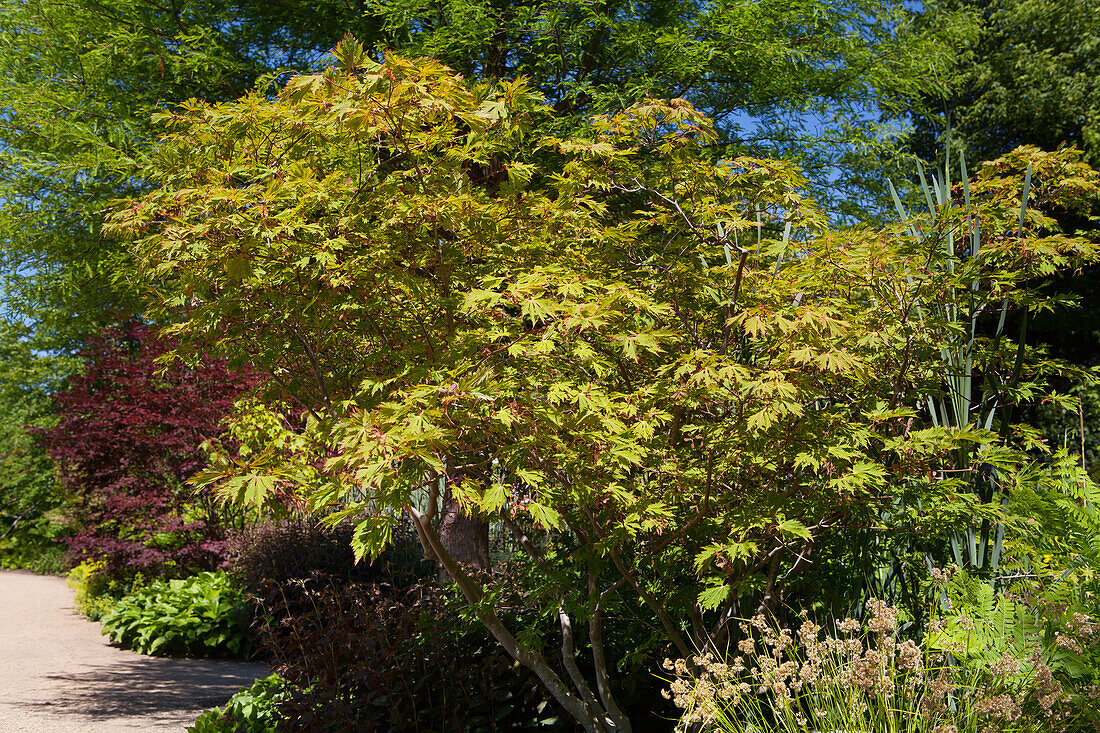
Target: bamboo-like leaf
x=932 y=411
x=925 y=188
x=759 y=233
x=783 y=251
x=940 y=189
x=984 y=543
x=947 y=160
x=897 y=201
x=1001 y=321
x=971 y=543
x=974 y=234
x=989 y=418
x=968 y=378
x=902 y=213
x=1023 y=200
x=998 y=540
x=725 y=244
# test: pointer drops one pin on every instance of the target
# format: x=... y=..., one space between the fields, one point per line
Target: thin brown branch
x=595 y=636
x=475 y=595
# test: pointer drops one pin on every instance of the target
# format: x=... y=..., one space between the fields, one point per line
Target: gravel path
x=59 y=675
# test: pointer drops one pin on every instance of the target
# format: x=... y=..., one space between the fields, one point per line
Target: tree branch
x=569 y=660
x=595 y=636
x=475 y=594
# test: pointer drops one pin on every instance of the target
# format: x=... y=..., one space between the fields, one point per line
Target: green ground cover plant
x=201 y=615
x=253 y=709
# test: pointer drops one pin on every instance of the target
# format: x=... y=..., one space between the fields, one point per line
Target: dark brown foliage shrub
x=369 y=657
x=374 y=646
x=277 y=562
x=379 y=647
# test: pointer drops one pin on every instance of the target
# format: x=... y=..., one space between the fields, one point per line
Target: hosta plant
x=203 y=615
x=253 y=709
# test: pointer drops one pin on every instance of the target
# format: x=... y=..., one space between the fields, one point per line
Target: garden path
x=59 y=675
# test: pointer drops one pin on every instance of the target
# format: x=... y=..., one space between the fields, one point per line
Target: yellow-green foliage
x=90 y=588
x=96 y=593
x=673 y=366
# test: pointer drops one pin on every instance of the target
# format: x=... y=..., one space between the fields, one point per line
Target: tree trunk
x=465 y=538
x=530 y=658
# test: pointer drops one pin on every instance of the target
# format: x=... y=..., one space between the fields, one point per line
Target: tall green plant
x=977 y=395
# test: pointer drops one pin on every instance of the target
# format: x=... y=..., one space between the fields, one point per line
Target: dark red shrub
x=278 y=563
x=128 y=439
x=371 y=657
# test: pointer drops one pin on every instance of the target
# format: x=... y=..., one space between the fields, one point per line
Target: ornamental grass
x=861 y=679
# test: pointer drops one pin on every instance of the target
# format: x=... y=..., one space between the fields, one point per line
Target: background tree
x=29 y=492
x=80 y=81
x=1028 y=76
x=78 y=84
x=126 y=441
x=803 y=81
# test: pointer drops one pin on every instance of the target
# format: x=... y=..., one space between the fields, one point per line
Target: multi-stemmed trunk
x=468 y=536
x=464 y=537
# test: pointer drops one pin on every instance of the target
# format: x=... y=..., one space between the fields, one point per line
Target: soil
x=58 y=673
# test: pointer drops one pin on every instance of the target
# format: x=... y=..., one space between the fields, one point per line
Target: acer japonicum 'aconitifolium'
x=667 y=377
x=127 y=441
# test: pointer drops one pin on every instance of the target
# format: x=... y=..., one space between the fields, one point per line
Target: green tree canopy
x=28 y=487
x=1028 y=76
x=78 y=83
x=806 y=81
x=80 y=80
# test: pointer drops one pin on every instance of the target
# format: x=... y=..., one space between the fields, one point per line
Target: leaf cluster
x=201 y=615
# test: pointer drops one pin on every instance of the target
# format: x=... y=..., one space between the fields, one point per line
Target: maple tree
x=127 y=439
x=672 y=382
x=81 y=79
